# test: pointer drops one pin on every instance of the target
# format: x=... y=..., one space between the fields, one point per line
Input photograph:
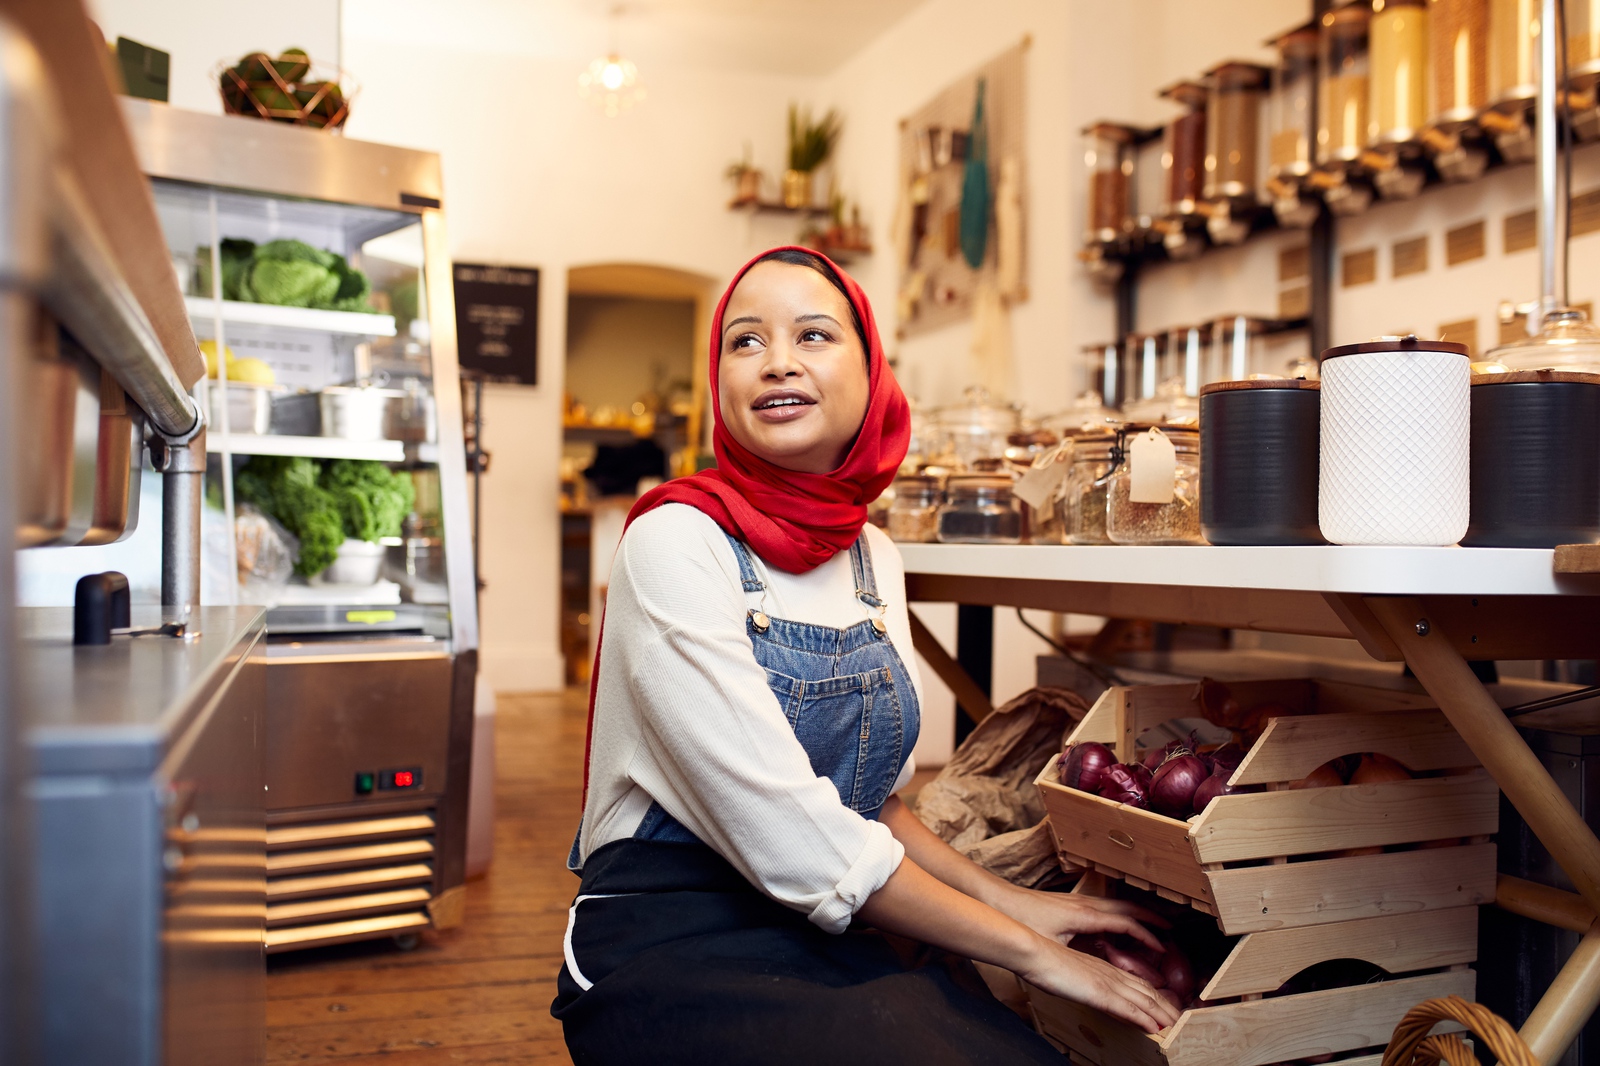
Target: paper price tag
x=1152 y=468
x=1039 y=485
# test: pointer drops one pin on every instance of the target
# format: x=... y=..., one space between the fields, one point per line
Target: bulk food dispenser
x=1183 y=160
x=1513 y=80
x=371 y=659
x=1292 y=127
x=1397 y=107
x=1342 y=103
x=1235 y=94
x=1109 y=228
x=1458 y=80
x=1583 y=66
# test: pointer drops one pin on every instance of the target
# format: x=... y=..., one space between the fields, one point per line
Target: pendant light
x=611 y=82
x=1566 y=340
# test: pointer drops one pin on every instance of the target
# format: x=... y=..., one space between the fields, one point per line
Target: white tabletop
x=1371 y=570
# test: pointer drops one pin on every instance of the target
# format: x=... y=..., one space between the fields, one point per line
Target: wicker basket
x=288 y=88
x=1412 y=1045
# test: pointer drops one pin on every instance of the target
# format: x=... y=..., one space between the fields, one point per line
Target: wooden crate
x=1248 y=1033
x=1256 y=861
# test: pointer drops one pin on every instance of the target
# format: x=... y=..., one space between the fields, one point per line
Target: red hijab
x=796 y=521
x=793 y=520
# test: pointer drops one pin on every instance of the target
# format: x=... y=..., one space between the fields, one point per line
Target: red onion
x=1228 y=756
x=1217 y=704
x=1375 y=769
x=1084 y=766
x=1122 y=786
x=1172 y=791
x=1132 y=962
x=1178 y=973
x=1154 y=758
x=1217 y=785
x=1171 y=997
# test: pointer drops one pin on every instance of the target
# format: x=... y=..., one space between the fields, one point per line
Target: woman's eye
x=745 y=341
x=815 y=335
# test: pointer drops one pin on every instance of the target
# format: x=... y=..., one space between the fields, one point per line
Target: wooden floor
x=480 y=994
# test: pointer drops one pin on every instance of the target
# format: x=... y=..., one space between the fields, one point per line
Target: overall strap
x=747 y=570
x=861 y=568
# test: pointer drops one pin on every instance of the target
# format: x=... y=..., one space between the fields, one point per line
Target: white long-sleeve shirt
x=684 y=717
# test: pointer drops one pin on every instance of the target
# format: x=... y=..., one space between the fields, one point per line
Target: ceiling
x=803 y=38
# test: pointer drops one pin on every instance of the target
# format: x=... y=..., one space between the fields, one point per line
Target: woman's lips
x=782 y=405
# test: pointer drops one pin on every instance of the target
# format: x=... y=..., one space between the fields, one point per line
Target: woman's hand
x=1061 y=917
x=1085 y=979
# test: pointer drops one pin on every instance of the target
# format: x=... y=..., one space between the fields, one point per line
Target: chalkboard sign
x=497 y=321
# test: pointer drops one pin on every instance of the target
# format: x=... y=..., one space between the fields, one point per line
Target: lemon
x=209 y=349
x=251 y=371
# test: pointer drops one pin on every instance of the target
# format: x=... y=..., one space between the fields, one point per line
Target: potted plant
x=810 y=145
x=746 y=178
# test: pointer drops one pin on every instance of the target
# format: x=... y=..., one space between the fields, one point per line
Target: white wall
x=200 y=35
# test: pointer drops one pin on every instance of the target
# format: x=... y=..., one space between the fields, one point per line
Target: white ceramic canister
x=1396 y=420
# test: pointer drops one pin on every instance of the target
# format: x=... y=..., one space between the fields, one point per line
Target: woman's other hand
x=1085 y=979
x=1061 y=917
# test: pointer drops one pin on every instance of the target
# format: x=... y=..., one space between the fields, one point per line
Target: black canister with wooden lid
x=1259 y=461
x=1535 y=459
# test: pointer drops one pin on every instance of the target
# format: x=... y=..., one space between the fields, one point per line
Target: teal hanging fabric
x=975 y=189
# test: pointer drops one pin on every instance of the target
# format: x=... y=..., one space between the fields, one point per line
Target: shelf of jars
x=1372 y=101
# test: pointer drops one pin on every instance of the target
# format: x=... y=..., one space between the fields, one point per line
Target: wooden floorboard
x=475 y=995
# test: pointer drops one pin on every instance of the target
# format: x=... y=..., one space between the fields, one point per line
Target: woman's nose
x=781 y=363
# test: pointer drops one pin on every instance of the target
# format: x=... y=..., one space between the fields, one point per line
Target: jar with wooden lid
x=1184 y=155
x=914 y=515
x=1345 y=85
x=1160 y=505
x=1258 y=471
x=1458 y=61
x=1398 y=61
x=980 y=509
x=1235 y=92
x=1083 y=498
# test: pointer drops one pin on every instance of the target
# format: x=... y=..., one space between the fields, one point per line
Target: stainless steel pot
x=355 y=412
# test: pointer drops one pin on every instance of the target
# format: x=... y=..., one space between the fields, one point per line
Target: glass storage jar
x=914 y=515
x=1083 y=499
x=1035 y=443
x=980 y=509
x=1342 y=102
x=1290 y=122
x=1398 y=38
x=1176 y=521
x=1185 y=150
x=976 y=430
x=1233 y=124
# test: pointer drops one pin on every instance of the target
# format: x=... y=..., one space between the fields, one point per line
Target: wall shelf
x=384 y=451
x=236 y=312
x=776 y=207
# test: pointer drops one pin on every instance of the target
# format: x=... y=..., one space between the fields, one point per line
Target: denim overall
x=679 y=959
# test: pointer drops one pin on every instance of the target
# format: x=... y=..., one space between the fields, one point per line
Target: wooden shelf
x=354 y=323
x=776 y=207
x=384 y=451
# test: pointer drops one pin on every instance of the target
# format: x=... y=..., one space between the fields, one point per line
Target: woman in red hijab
x=752 y=718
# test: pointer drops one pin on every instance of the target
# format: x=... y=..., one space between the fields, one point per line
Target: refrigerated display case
x=371 y=662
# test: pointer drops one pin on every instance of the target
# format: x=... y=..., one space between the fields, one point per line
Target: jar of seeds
x=1082 y=505
x=914 y=515
x=1153 y=495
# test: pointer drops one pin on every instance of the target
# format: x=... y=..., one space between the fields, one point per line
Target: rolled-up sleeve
x=716 y=750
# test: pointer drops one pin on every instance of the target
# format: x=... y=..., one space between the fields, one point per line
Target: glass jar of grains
x=914 y=515
x=980 y=509
x=1132 y=515
x=1083 y=499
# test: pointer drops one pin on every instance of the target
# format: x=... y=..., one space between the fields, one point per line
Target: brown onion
x=1324 y=776
x=1172 y=791
x=1084 y=766
x=1121 y=785
x=1375 y=769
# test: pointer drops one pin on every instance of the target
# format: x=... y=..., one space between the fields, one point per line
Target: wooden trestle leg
x=1573 y=997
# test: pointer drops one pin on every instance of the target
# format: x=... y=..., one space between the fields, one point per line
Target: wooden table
x=1434 y=608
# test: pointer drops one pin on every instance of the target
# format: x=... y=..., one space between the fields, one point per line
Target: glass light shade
x=612 y=82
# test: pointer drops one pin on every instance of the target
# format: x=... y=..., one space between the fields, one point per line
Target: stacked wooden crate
x=1275 y=868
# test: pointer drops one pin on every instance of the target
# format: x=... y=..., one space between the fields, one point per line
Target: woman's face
x=793 y=376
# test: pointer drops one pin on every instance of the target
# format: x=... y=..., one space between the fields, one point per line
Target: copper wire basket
x=1412 y=1045
x=288 y=88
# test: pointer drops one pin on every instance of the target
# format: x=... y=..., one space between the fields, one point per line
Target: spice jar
x=914 y=515
x=1184 y=158
x=1171 y=513
x=1398 y=58
x=1290 y=122
x=1109 y=155
x=980 y=509
x=1342 y=103
x=1083 y=499
x=1458 y=67
x=1233 y=124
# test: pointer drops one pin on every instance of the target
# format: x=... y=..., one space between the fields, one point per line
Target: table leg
x=1568 y=1003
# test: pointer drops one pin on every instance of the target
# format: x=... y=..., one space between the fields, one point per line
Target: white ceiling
x=788 y=37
